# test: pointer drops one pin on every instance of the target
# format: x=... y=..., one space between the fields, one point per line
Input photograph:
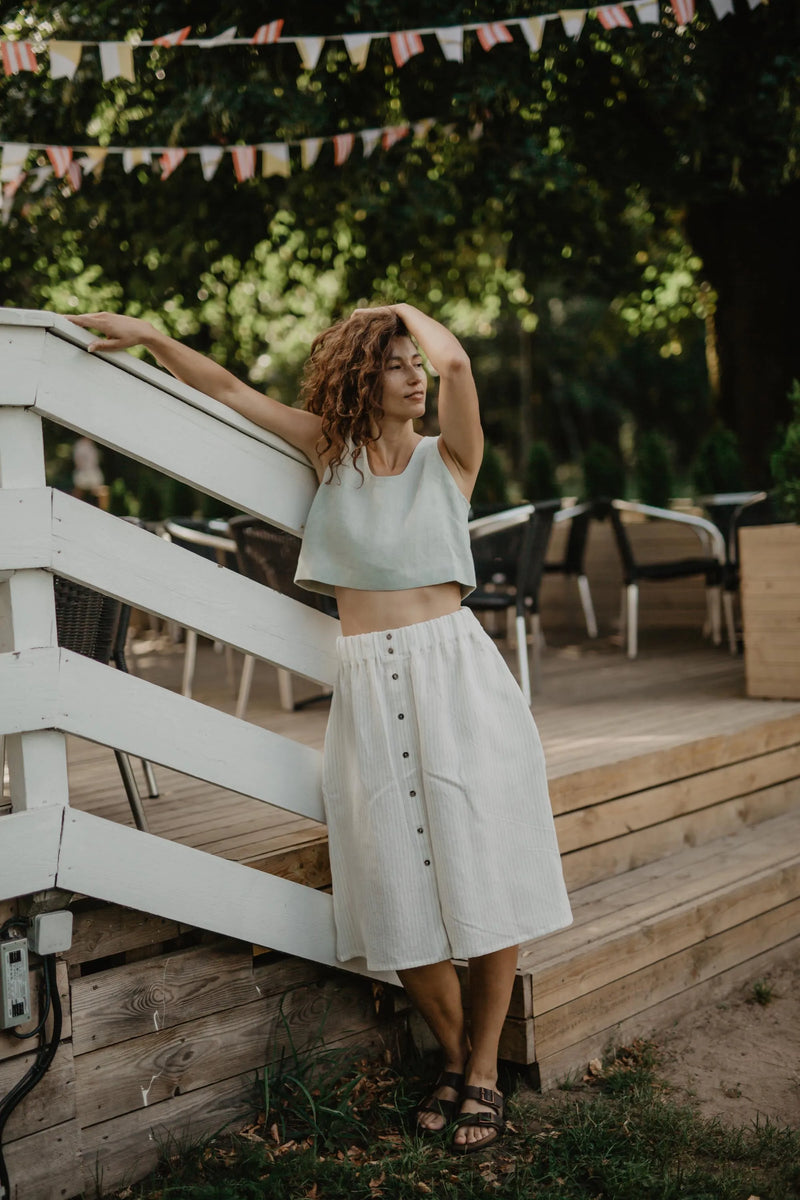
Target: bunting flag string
x=116 y=58
x=275 y=156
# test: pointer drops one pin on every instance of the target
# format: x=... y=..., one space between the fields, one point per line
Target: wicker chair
x=96 y=626
x=269 y=556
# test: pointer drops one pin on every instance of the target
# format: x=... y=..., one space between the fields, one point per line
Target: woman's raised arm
x=459 y=415
x=298 y=427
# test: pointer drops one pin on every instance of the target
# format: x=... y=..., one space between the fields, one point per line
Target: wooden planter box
x=770 y=589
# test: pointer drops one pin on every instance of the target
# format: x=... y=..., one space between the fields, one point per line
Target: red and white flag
x=492 y=35
x=74 y=176
x=393 y=134
x=60 y=157
x=683 y=9
x=169 y=160
x=343 y=147
x=614 y=16
x=265 y=35
x=18 y=56
x=244 y=162
x=173 y=39
x=405 y=46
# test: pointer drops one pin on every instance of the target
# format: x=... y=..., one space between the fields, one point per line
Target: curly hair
x=342 y=380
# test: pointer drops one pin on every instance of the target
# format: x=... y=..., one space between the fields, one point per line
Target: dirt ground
x=740 y=1059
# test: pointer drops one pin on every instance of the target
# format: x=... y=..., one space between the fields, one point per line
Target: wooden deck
x=677 y=804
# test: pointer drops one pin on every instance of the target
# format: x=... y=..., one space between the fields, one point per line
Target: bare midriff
x=370 y=612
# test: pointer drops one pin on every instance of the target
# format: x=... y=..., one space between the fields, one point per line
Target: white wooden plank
x=27 y=611
x=29 y=690
x=121 y=410
x=151 y=573
x=115 y=709
x=21 y=448
x=37 y=769
x=26 y=520
x=21 y=354
x=29 y=844
x=61 y=328
x=123 y=866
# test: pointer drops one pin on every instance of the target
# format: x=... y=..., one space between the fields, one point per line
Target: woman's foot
x=440 y=1106
x=480 y=1119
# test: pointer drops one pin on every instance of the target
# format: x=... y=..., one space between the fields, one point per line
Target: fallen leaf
x=595 y=1066
x=273 y=1133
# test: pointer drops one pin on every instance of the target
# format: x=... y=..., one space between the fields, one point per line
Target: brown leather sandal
x=445 y=1108
x=485 y=1120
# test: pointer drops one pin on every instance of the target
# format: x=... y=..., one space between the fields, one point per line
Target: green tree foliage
x=604 y=475
x=491 y=487
x=650 y=172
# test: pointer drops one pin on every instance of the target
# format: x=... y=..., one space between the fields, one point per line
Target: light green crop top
x=388 y=532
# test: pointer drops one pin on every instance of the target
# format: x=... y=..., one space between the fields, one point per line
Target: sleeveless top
x=387 y=532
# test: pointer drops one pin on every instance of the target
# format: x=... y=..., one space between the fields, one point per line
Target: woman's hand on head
x=378 y=310
x=119 y=332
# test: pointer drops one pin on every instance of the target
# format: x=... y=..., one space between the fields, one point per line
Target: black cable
x=44 y=1056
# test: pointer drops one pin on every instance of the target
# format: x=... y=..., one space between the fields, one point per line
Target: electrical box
x=51 y=932
x=15 y=991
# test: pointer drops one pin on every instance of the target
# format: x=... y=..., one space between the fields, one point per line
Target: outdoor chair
x=202 y=537
x=710 y=564
x=508 y=549
x=269 y=556
x=571 y=564
x=96 y=626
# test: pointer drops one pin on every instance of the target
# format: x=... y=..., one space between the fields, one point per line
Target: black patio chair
x=96 y=626
x=509 y=549
x=269 y=556
x=711 y=564
x=571 y=564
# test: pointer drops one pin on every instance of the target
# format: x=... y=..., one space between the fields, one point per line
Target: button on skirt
x=441 y=834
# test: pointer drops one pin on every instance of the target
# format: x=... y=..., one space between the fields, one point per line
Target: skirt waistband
x=408 y=639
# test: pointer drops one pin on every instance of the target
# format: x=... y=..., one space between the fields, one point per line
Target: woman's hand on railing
x=119 y=332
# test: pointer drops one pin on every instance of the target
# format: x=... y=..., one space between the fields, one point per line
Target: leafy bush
x=785 y=462
x=603 y=473
x=540 y=474
x=653 y=470
x=717 y=466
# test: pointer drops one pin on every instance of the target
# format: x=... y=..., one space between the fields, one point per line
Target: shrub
x=717 y=466
x=653 y=470
x=785 y=462
x=540 y=474
x=491 y=486
x=603 y=473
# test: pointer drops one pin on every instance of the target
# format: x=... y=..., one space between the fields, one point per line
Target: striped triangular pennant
x=169 y=161
x=244 y=162
x=60 y=158
x=267 y=34
x=173 y=39
x=614 y=16
x=343 y=147
x=405 y=46
x=493 y=34
x=18 y=56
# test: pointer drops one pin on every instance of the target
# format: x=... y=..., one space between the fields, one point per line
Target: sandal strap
x=484 y=1119
x=484 y=1096
x=451 y=1079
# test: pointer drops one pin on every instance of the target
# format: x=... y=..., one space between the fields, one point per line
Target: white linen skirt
x=441 y=834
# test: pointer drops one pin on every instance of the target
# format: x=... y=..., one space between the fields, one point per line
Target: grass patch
x=335 y=1130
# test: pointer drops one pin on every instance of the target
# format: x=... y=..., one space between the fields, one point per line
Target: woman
x=441 y=835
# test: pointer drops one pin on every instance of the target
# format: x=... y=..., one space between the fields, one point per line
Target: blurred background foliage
x=609 y=224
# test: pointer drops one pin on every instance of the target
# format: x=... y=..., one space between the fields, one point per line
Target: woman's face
x=404 y=381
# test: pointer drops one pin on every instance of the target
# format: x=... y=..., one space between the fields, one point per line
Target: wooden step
x=649 y=936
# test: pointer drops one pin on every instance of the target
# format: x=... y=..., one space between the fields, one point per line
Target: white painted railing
x=47 y=692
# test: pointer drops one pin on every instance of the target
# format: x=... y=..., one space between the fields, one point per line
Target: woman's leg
x=435 y=992
x=491 y=978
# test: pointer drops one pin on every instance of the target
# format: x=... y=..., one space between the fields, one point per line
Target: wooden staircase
x=684 y=874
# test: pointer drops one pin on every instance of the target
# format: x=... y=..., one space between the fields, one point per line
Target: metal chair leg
x=189 y=660
x=150 y=779
x=131 y=790
x=715 y=613
x=588 y=607
x=730 y=623
x=632 y=619
x=538 y=645
x=245 y=683
x=285 y=690
x=522 y=658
